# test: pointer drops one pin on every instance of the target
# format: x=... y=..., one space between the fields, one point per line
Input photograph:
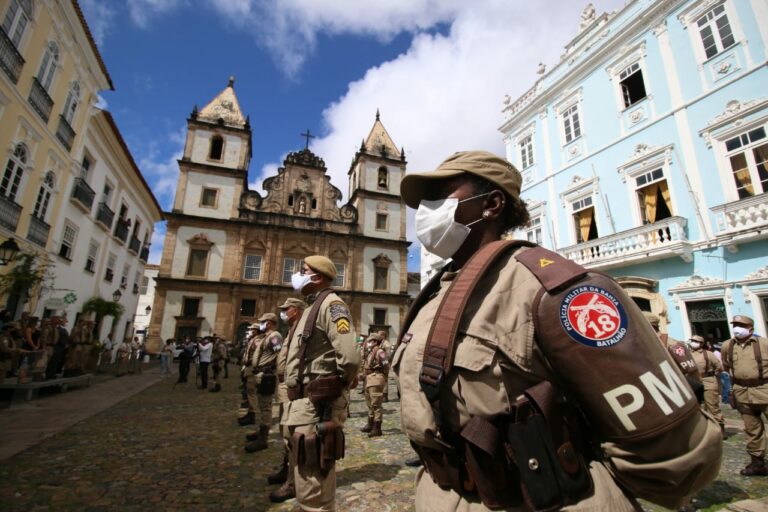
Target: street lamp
x=8 y=251
x=117 y=295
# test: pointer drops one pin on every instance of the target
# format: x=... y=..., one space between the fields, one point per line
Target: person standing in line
x=124 y=352
x=709 y=368
x=248 y=378
x=137 y=355
x=217 y=362
x=186 y=356
x=321 y=368
x=204 y=350
x=61 y=342
x=265 y=380
x=376 y=371
x=745 y=356
x=387 y=347
x=290 y=312
x=166 y=356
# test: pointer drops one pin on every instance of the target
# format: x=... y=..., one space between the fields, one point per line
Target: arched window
x=44 y=196
x=73 y=100
x=383 y=177
x=14 y=169
x=16 y=19
x=49 y=65
x=217 y=147
x=314 y=204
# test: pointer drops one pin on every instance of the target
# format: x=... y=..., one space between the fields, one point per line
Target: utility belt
x=529 y=457
x=267 y=368
x=709 y=374
x=268 y=383
x=750 y=383
x=320 y=390
x=319 y=449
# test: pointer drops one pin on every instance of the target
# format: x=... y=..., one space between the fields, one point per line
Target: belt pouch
x=311 y=451
x=324 y=390
x=297 y=449
x=267 y=385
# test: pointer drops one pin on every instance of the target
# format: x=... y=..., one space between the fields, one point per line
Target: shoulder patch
x=337 y=309
x=593 y=316
x=342 y=326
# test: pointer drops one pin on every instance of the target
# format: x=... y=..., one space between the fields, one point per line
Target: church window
x=190 y=307
x=48 y=65
x=290 y=267
x=383 y=180
x=252 y=267
x=290 y=200
x=379 y=316
x=208 y=197
x=340 y=271
x=381 y=221
x=314 y=204
x=715 y=31
x=748 y=157
x=197 y=262
x=584 y=220
x=67 y=247
x=9 y=186
x=16 y=20
x=44 y=196
x=248 y=307
x=632 y=84
x=217 y=147
x=381 y=278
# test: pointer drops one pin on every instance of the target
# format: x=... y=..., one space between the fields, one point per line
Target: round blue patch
x=593 y=316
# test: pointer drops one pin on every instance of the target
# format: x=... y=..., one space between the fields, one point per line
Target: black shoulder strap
x=309 y=328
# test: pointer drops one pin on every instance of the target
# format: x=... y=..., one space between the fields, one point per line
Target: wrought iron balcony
x=65 y=133
x=664 y=239
x=134 y=245
x=144 y=256
x=40 y=100
x=104 y=215
x=9 y=213
x=743 y=220
x=121 y=230
x=10 y=59
x=83 y=194
x=38 y=231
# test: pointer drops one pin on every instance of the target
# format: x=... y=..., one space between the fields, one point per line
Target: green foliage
x=103 y=307
x=31 y=272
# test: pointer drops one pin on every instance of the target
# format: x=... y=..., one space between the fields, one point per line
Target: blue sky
x=437 y=69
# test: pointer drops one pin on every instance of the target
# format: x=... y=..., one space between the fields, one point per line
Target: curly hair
x=515 y=213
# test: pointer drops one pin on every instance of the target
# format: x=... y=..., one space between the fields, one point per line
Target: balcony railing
x=134 y=245
x=9 y=213
x=40 y=100
x=104 y=215
x=742 y=220
x=83 y=194
x=144 y=256
x=121 y=230
x=10 y=59
x=65 y=133
x=663 y=239
x=38 y=231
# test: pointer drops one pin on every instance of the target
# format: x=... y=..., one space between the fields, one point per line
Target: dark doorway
x=709 y=319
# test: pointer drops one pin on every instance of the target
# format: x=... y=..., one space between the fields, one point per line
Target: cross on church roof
x=308 y=136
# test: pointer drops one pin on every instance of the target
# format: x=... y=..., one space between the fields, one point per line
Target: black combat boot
x=368 y=427
x=285 y=492
x=252 y=436
x=756 y=467
x=281 y=475
x=248 y=419
x=260 y=443
x=376 y=430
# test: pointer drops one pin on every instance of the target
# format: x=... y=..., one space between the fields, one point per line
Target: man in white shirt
x=205 y=349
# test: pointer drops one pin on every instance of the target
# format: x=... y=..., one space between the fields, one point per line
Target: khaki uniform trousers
x=217 y=367
x=282 y=398
x=754 y=427
x=122 y=364
x=712 y=398
x=374 y=395
x=250 y=391
x=316 y=492
x=263 y=407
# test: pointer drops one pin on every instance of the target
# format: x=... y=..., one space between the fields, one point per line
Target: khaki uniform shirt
x=744 y=366
x=497 y=357
x=709 y=368
x=267 y=349
x=331 y=350
x=250 y=349
x=376 y=367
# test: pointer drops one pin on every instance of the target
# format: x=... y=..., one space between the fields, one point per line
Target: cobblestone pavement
x=178 y=448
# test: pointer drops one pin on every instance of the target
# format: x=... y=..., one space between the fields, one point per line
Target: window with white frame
x=715 y=31
x=653 y=196
x=48 y=65
x=584 y=221
x=526 y=151
x=14 y=169
x=68 y=238
x=252 y=267
x=85 y=167
x=109 y=273
x=16 y=20
x=533 y=230
x=748 y=159
x=44 y=196
x=124 y=276
x=90 y=260
x=340 y=272
x=73 y=100
x=144 y=285
x=290 y=267
x=571 y=123
x=136 y=280
x=632 y=84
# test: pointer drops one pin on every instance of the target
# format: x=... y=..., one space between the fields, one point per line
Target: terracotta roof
x=95 y=48
x=128 y=154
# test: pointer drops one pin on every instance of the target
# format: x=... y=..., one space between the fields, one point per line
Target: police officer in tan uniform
x=290 y=312
x=246 y=372
x=321 y=367
x=264 y=369
x=375 y=366
x=387 y=347
x=709 y=367
x=745 y=357
x=535 y=333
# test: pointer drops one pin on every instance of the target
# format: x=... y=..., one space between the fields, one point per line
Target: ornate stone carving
x=382 y=260
x=723 y=67
x=636 y=116
x=250 y=200
x=697 y=281
x=305 y=157
x=761 y=273
x=587 y=17
x=200 y=240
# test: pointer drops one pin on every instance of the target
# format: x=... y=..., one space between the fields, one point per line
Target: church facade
x=229 y=252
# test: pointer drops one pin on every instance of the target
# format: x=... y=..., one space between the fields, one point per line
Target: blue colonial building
x=644 y=154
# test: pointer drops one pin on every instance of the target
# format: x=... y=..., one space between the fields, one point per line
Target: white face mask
x=263 y=326
x=741 y=332
x=436 y=228
x=299 y=280
x=283 y=316
x=694 y=345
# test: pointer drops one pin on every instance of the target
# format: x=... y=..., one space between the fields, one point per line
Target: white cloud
x=162 y=170
x=100 y=16
x=156 y=247
x=142 y=11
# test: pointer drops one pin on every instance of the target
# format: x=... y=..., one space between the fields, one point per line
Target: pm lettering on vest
x=667 y=392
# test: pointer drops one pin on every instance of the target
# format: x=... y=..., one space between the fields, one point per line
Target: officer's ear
x=494 y=205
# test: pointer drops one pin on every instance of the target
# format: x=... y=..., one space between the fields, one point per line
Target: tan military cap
x=480 y=163
x=743 y=320
x=652 y=319
x=322 y=265
x=292 y=302
x=698 y=338
x=268 y=316
x=374 y=337
x=254 y=326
